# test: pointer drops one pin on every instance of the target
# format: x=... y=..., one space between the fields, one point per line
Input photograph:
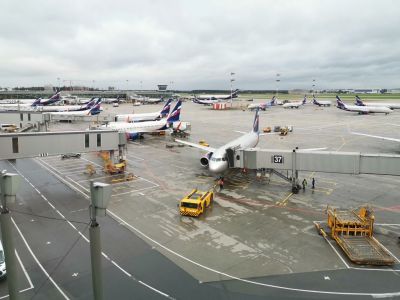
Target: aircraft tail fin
x=95 y=110
x=256 y=122
x=340 y=103
x=175 y=114
x=165 y=111
x=359 y=101
x=36 y=102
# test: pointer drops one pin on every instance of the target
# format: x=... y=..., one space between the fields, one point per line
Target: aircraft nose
x=217 y=167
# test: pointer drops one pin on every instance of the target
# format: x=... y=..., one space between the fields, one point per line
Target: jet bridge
x=315 y=161
x=34 y=144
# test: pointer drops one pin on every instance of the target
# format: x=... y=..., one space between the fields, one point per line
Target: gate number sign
x=277 y=159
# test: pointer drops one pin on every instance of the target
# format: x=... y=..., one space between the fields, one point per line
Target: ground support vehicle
x=353 y=232
x=195 y=203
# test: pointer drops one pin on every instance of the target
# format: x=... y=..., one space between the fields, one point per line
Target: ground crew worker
x=304 y=183
x=221 y=183
x=313 y=183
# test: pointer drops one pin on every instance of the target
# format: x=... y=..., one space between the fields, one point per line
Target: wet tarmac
x=258 y=239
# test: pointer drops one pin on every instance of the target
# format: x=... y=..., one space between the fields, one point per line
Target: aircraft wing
x=205 y=148
x=378 y=137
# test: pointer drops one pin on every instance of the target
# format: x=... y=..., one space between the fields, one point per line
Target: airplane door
x=229 y=156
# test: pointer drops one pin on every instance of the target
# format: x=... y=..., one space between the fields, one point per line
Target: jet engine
x=133 y=136
x=204 y=160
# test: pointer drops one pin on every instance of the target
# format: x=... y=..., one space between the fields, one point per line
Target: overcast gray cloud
x=196 y=44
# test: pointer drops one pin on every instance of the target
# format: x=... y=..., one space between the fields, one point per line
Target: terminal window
x=86 y=140
x=99 y=140
x=21 y=117
x=15 y=144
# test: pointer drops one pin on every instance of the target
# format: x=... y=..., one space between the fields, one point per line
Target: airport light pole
x=277 y=85
x=9 y=184
x=313 y=86
x=100 y=194
x=232 y=80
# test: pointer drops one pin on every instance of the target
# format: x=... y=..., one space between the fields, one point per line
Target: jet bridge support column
x=112 y=156
x=122 y=146
x=295 y=174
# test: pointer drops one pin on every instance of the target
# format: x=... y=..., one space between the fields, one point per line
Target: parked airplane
x=362 y=109
x=321 y=102
x=262 y=106
x=359 y=102
x=133 y=130
x=95 y=110
x=112 y=100
x=207 y=101
x=19 y=106
x=217 y=97
x=216 y=158
x=65 y=108
x=152 y=100
x=296 y=104
x=145 y=116
x=53 y=99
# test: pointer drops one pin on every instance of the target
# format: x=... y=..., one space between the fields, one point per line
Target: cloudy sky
x=196 y=44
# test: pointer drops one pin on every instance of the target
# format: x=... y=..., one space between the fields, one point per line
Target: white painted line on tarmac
x=135 y=157
x=133 y=191
x=86 y=239
x=156 y=185
x=31 y=286
x=24 y=270
x=101 y=177
x=92 y=162
x=86 y=189
x=150 y=287
x=122 y=270
x=388 y=251
x=247 y=280
x=37 y=261
x=334 y=249
x=222 y=273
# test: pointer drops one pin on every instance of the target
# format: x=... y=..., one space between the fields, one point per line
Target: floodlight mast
x=100 y=194
x=9 y=184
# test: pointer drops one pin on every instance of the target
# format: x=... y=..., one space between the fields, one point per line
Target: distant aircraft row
x=359 y=107
x=135 y=125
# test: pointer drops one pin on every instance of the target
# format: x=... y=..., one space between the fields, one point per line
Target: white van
x=3 y=271
x=8 y=127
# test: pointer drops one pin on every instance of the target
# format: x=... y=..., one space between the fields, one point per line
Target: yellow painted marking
x=327 y=181
x=282 y=202
x=311 y=175
x=326 y=191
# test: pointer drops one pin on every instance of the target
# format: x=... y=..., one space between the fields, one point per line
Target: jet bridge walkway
x=314 y=161
x=36 y=144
